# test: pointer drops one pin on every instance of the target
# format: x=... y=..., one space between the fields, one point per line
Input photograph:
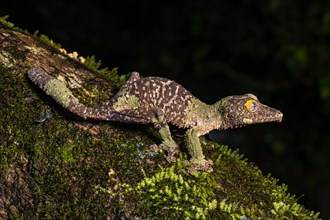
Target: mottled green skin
x=56 y=89
x=161 y=102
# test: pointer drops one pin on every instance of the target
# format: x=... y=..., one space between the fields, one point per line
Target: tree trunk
x=56 y=165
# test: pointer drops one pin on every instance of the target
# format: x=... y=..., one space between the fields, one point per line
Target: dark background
x=278 y=50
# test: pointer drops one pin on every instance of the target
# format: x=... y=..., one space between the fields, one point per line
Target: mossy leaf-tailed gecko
x=161 y=101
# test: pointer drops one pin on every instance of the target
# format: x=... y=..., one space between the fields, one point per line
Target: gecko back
x=150 y=98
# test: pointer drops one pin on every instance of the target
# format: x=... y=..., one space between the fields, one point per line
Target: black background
x=278 y=50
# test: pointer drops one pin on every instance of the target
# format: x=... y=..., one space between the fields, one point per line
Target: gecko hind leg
x=168 y=144
x=167 y=139
x=163 y=129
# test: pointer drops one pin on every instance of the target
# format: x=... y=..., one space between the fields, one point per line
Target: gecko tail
x=62 y=95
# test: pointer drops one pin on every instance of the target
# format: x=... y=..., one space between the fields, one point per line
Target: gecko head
x=240 y=110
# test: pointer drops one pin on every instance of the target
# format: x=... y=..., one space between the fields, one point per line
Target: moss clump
x=46 y=40
x=94 y=94
x=50 y=169
x=175 y=194
x=4 y=19
x=110 y=75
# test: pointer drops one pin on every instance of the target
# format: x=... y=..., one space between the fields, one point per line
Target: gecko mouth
x=278 y=116
x=239 y=126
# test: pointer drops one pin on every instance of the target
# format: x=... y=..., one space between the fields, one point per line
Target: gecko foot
x=171 y=151
x=206 y=167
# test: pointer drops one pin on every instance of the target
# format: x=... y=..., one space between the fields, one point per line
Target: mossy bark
x=65 y=167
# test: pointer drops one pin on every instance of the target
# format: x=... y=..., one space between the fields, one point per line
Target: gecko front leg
x=197 y=160
x=168 y=144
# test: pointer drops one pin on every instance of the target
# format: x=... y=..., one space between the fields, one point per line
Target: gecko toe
x=171 y=151
x=205 y=167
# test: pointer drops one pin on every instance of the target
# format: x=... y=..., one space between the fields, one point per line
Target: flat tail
x=97 y=113
x=62 y=95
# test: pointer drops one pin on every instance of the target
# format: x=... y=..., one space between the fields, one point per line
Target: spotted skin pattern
x=161 y=101
x=157 y=98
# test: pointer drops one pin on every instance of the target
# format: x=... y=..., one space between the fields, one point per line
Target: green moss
x=4 y=21
x=171 y=193
x=56 y=164
x=46 y=40
x=110 y=75
x=244 y=193
x=96 y=94
x=93 y=94
x=43 y=38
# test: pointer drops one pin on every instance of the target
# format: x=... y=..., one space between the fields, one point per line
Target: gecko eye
x=251 y=105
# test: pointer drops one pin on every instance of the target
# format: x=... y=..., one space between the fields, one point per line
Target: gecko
x=160 y=101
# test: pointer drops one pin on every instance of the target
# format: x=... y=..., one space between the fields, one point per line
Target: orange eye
x=251 y=105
